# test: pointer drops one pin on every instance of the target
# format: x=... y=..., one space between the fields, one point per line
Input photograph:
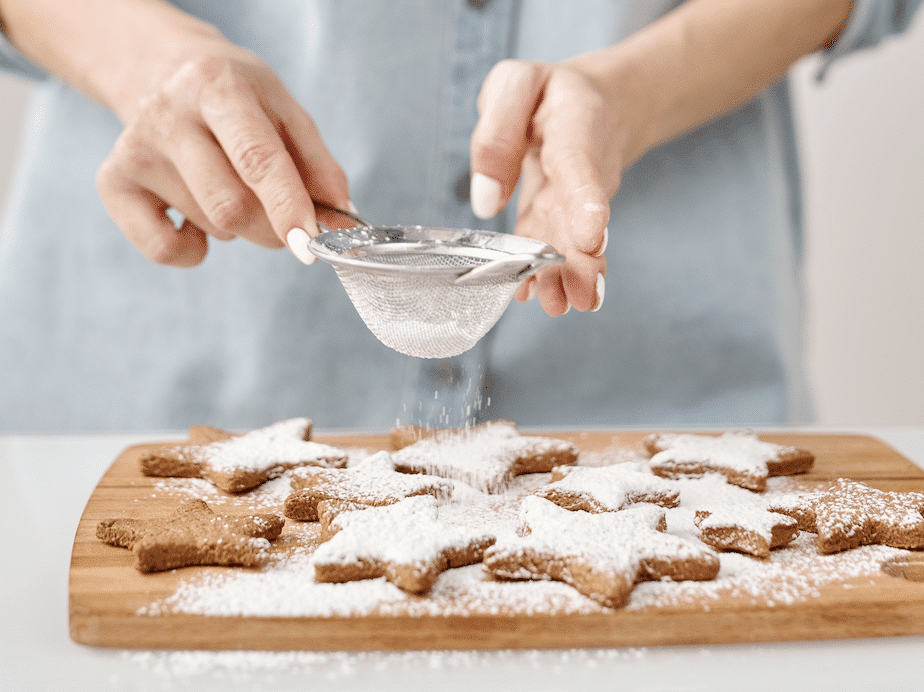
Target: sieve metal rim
x=346 y=249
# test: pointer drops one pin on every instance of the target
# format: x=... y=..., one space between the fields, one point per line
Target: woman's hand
x=547 y=126
x=566 y=131
x=220 y=139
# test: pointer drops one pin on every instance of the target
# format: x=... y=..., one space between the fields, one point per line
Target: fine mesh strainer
x=427 y=292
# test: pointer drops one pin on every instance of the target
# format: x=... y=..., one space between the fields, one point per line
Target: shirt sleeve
x=11 y=60
x=870 y=22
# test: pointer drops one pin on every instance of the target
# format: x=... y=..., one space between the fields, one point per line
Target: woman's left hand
x=547 y=127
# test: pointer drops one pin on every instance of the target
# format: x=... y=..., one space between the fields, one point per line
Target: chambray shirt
x=702 y=322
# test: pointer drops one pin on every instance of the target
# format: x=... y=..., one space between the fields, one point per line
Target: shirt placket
x=454 y=392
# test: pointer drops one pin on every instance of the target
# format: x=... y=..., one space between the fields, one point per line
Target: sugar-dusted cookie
x=193 y=535
x=601 y=555
x=235 y=463
x=405 y=435
x=850 y=514
x=741 y=457
x=373 y=481
x=486 y=457
x=745 y=529
x=404 y=542
x=607 y=488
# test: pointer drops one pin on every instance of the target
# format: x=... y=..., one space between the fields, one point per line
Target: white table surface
x=53 y=476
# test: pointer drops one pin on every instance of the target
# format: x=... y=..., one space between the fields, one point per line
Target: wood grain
x=106 y=592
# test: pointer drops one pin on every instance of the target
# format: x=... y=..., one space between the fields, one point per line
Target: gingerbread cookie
x=405 y=435
x=607 y=488
x=745 y=529
x=742 y=458
x=486 y=458
x=373 y=481
x=601 y=555
x=404 y=542
x=193 y=535
x=851 y=514
x=235 y=463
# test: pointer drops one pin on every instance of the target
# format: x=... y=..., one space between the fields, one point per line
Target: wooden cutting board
x=107 y=593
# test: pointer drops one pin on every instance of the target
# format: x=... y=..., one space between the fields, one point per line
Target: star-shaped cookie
x=601 y=555
x=193 y=535
x=236 y=463
x=404 y=542
x=487 y=457
x=850 y=514
x=607 y=488
x=745 y=529
x=373 y=481
x=741 y=457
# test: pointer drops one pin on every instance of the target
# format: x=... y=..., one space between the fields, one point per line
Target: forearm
x=114 y=51
x=705 y=59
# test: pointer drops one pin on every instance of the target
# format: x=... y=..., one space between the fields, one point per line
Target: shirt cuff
x=870 y=22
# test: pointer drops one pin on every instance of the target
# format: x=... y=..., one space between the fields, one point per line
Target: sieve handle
x=518 y=267
x=332 y=219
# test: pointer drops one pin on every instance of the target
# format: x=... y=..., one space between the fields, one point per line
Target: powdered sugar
x=263 y=449
x=372 y=481
x=286 y=587
x=608 y=488
x=406 y=533
x=748 y=517
x=486 y=457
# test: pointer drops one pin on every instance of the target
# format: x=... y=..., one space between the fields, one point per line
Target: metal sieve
x=427 y=292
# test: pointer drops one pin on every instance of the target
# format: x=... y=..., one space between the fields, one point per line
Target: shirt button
x=463 y=187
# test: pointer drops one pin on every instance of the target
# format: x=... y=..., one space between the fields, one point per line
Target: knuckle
x=494 y=148
x=280 y=205
x=226 y=212
x=255 y=160
x=158 y=115
x=160 y=250
x=209 y=69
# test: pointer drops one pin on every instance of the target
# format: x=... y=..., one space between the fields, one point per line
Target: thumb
x=508 y=99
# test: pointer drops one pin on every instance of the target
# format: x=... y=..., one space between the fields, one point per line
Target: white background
x=862 y=146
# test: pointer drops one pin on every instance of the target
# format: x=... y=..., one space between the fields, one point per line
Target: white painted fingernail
x=601 y=291
x=531 y=290
x=606 y=240
x=297 y=240
x=567 y=310
x=352 y=208
x=485 y=196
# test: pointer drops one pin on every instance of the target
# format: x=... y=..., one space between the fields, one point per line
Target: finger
x=570 y=156
x=213 y=193
x=134 y=160
x=551 y=292
x=323 y=177
x=532 y=180
x=259 y=156
x=507 y=102
x=584 y=281
x=142 y=216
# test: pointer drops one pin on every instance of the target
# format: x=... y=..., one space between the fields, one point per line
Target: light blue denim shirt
x=702 y=322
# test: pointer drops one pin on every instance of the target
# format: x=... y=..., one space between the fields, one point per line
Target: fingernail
x=567 y=310
x=297 y=240
x=485 y=196
x=606 y=239
x=352 y=208
x=531 y=290
x=601 y=291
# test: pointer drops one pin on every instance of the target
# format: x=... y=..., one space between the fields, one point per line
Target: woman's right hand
x=217 y=137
